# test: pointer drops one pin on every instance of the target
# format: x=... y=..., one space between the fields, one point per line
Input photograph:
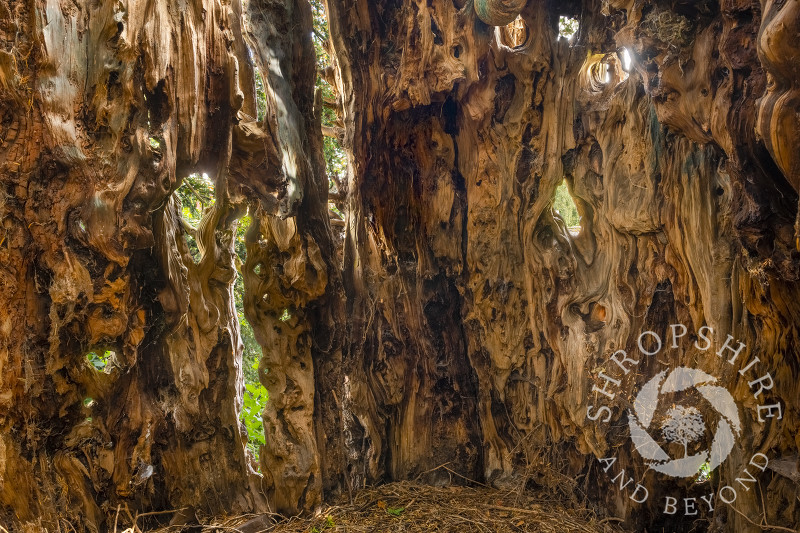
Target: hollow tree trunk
x=478 y=324
x=105 y=109
x=466 y=327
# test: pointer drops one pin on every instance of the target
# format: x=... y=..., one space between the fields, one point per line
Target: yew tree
x=431 y=302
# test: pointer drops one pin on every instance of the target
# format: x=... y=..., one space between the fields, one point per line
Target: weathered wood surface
x=479 y=324
x=105 y=108
x=466 y=324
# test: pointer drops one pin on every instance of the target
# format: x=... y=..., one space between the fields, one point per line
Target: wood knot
x=598 y=313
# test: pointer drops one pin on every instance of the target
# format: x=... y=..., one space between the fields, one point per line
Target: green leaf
x=261 y=95
x=254 y=400
x=395 y=511
x=99 y=362
x=567 y=27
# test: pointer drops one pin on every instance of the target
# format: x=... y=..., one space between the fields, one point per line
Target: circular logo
x=683 y=424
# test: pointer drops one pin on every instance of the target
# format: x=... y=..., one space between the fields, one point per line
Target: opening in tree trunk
x=257 y=255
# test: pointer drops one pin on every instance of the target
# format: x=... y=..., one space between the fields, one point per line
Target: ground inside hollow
x=413 y=507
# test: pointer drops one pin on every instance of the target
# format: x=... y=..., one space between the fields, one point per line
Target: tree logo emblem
x=683 y=424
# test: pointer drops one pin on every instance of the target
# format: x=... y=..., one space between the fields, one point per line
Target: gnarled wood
x=105 y=108
x=498 y=12
x=461 y=322
x=469 y=296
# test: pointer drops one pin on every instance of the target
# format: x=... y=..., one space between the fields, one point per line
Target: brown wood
x=105 y=108
x=479 y=323
x=452 y=318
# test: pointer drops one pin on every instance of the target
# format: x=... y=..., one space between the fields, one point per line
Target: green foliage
x=261 y=95
x=335 y=161
x=241 y=229
x=252 y=350
x=567 y=27
x=99 y=361
x=704 y=474
x=255 y=394
x=255 y=398
x=565 y=205
x=320 y=32
x=329 y=524
x=395 y=511
x=196 y=194
x=335 y=209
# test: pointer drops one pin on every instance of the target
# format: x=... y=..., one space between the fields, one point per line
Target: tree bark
x=291 y=272
x=478 y=324
x=455 y=320
x=105 y=110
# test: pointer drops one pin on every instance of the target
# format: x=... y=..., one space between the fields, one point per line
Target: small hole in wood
x=565 y=206
x=567 y=27
x=99 y=360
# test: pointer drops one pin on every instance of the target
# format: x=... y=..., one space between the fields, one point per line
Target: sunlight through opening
x=567 y=27
x=564 y=205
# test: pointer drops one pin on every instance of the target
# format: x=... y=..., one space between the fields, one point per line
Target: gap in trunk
x=100 y=359
x=255 y=394
x=624 y=62
x=625 y=59
x=567 y=27
x=332 y=125
x=196 y=197
x=261 y=93
x=564 y=204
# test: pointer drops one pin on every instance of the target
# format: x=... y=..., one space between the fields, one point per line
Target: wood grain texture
x=456 y=319
x=479 y=322
x=105 y=109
